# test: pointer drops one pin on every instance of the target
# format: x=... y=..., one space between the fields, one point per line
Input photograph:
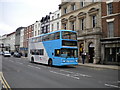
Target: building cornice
x=92 y=4
x=63 y=3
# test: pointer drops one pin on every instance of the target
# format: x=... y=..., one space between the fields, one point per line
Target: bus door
x=56 y=56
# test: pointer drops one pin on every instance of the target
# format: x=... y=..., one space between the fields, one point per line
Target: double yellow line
x=4 y=82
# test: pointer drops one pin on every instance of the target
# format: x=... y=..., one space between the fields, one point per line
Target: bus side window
x=41 y=51
x=57 y=35
x=32 y=52
x=47 y=37
x=43 y=38
x=52 y=36
x=37 y=52
x=57 y=52
x=39 y=39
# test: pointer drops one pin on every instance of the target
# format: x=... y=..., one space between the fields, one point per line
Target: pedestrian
x=83 y=57
x=25 y=54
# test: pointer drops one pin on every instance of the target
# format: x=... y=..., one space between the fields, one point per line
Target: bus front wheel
x=50 y=62
x=32 y=60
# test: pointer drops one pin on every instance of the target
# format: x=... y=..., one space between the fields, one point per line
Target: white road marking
x=68 y=75
x=66 y=71
x=84 y=75
x=112 y=86
x=30 y=65
x=34 y=67
x=76 y=74
x=19 y=63
x=37 y=67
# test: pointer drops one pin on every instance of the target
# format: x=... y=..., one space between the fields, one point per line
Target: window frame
x=109 y=8
x=110 y=29
x=94 y=21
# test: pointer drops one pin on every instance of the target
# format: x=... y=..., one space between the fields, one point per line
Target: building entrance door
x=91 y=52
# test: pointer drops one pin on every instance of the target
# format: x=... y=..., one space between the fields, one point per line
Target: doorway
x=91 y=52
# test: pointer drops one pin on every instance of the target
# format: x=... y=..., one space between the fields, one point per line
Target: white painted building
x=7 y=42
x=55 y=21
x=10 y=41
x=21 y=38
x=37 y=28
x=4 y=42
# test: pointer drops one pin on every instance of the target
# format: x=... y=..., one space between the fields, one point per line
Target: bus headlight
x=63 y=61
x=76 y=60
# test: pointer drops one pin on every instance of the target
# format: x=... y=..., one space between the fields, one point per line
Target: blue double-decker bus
x=57 y=48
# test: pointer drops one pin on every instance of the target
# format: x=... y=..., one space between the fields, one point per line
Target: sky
x=17 y=13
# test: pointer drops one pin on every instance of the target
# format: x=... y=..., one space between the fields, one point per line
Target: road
x=20 y=73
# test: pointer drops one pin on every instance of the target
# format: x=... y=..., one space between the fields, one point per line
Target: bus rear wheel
x=32 y=60
x=50 y=62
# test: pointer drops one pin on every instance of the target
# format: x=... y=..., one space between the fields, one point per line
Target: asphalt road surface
x=20 y=73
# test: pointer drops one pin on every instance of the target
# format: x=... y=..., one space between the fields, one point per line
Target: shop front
x=110 y=51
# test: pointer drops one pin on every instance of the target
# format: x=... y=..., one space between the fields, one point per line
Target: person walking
x=83 y=57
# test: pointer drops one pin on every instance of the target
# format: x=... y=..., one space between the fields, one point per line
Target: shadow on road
x=62 y=67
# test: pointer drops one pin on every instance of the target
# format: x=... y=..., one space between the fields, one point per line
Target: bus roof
x=51 y=33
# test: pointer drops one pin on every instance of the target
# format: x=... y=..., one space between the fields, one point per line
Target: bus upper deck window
x=57 y=35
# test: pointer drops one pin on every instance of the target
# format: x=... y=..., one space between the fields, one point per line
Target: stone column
x=102 y=53
x=68 y=25
x=97 y=50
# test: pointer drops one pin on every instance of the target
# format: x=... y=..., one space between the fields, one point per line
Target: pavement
x=114 y=67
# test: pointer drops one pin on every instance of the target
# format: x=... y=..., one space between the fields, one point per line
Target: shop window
x=81 y=48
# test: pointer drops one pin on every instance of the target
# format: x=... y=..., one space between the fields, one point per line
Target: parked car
x=6 y=54
x=1 y=53
x=16 y=54
x=12 y=53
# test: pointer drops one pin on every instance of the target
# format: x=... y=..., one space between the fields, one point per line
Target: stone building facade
x=85 y=18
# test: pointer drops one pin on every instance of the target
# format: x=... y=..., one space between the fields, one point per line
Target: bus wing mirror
x=52 y=53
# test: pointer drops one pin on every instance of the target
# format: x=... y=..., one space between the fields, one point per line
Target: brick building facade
x=110 y=42
x=28 y=32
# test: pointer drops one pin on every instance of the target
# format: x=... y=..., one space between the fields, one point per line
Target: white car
x=7 y=54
